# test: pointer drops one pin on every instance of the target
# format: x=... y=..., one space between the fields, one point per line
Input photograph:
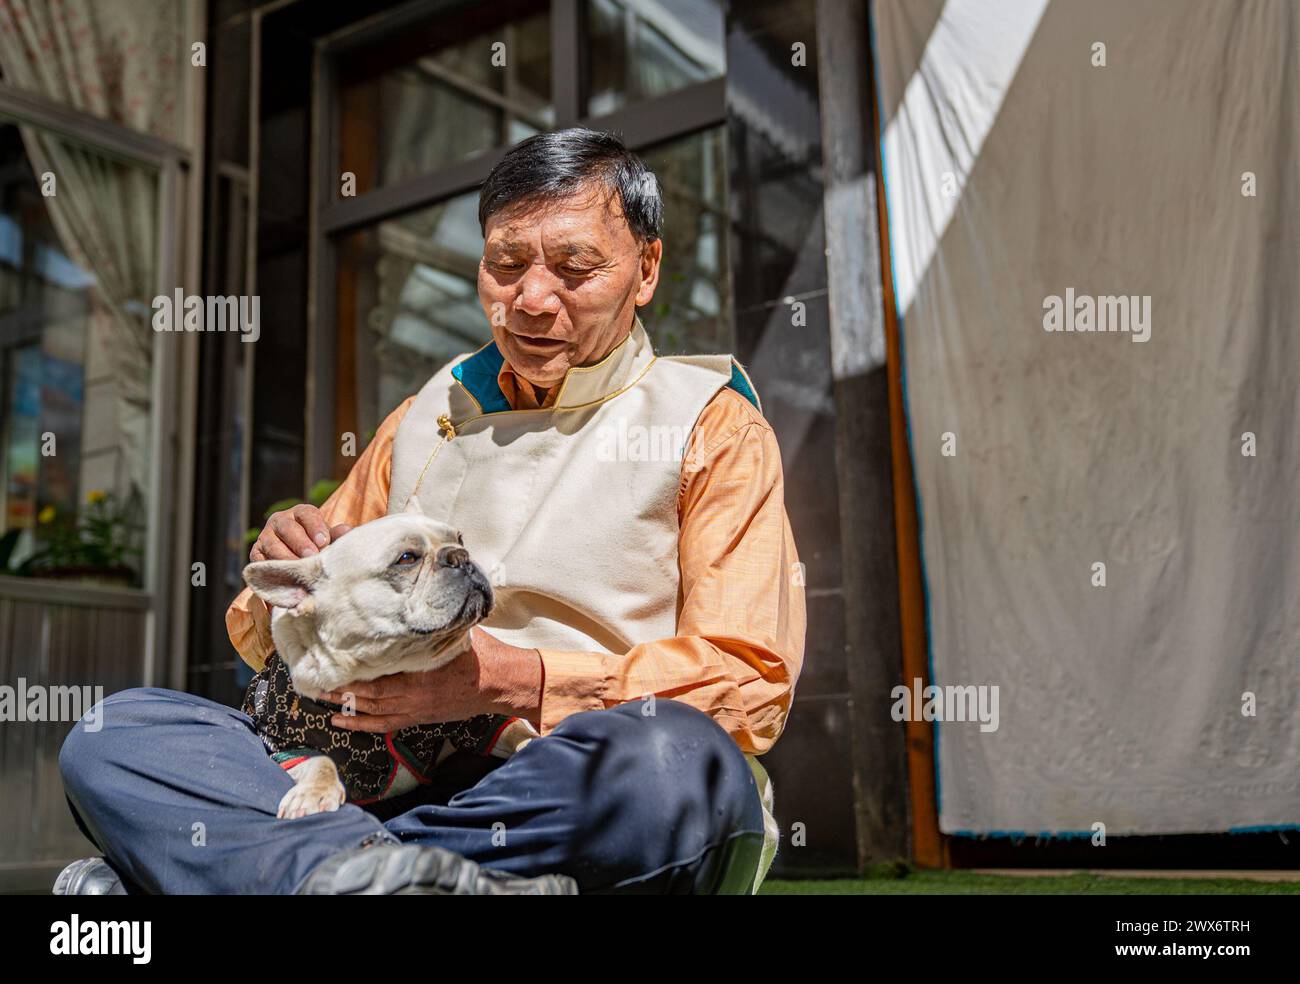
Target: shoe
x=413 y=869
x=89 y=876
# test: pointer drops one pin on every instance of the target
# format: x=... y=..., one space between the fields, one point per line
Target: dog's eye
x=408 y=557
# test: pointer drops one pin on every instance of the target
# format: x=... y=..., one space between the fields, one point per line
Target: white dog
x=394 y=595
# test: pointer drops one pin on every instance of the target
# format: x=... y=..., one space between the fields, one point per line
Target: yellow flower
x=96 y=495
x=46 y=515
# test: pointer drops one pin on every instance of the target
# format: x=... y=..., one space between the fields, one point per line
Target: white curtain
x=1038 y=150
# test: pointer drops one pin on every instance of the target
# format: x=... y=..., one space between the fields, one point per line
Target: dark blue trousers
x=180 y=795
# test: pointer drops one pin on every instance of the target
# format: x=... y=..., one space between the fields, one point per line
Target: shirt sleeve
x=741 y=613
x=361 y=497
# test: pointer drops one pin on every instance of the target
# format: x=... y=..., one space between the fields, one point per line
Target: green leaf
x=276 y=507
x=322 y=490
x=7 y=544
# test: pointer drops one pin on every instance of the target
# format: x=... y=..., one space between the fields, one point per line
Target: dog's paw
x=305 y=799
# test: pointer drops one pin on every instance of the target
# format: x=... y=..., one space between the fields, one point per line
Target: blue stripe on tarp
x=907 y=416
x=478 y=374
x=1073 y=834
x=1040 y=835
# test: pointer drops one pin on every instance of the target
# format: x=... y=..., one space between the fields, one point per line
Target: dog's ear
x=284 y=583
x=413 y=505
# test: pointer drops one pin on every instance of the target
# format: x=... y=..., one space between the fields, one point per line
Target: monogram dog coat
x=372 y=766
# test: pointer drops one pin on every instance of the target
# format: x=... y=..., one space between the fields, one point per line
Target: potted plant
x=101 y=545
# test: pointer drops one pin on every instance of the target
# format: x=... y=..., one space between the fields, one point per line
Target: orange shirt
x=740 y=608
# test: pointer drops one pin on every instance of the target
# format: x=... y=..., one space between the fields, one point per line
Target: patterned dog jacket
x=372 y=766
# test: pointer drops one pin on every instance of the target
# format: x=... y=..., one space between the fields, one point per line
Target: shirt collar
x=489 y=385
x=519 y=392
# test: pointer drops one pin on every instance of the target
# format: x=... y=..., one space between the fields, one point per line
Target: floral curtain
x=118 y=59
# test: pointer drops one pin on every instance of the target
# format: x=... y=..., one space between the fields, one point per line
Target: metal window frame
x=641 y=125
x=170 y=162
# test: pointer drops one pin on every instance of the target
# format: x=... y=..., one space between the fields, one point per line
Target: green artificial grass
x=972 y=883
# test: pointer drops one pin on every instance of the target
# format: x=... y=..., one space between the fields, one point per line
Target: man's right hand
x=297 y=532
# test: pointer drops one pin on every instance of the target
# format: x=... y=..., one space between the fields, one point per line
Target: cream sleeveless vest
x=571 y=510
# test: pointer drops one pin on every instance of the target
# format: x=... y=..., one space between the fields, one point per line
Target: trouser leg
x=180 y=795
x=619 y=799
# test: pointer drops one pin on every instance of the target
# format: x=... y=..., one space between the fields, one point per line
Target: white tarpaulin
x=1094 y=215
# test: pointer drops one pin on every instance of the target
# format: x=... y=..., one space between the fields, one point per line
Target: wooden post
x=929 y=846
x=864 y=450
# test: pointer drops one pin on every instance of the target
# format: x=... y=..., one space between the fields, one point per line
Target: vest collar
x=581 y=385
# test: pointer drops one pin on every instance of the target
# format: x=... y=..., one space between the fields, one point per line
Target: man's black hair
x=550 y=167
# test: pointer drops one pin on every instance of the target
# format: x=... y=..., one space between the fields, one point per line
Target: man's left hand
x=489 y=677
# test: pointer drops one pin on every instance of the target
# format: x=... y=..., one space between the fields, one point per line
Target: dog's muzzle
x=478 y=599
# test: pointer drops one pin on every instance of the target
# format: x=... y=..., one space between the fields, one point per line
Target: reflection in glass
x=692 y=307
x=435 y=102
x=408 y=294
x=639 y=50
x=77 y=275
x=408 y=303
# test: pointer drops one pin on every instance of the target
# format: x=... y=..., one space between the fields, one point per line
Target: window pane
x=408 y=287
x=477 y=79
x=77 y=275
x=407 y=303
x=640 y=50
x=692 y=309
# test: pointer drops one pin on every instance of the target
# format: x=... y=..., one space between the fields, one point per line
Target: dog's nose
x=453 y=556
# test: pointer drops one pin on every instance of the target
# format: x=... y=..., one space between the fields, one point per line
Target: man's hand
x=297 y=532
x=490 y=677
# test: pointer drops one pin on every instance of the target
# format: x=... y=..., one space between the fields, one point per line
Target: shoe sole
x=410 y=869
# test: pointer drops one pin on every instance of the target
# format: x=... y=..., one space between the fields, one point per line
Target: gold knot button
x=446 y=426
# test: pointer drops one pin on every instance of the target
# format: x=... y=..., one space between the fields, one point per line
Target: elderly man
x=649 y=621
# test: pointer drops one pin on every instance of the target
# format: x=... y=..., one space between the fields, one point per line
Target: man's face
x=560 y=283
